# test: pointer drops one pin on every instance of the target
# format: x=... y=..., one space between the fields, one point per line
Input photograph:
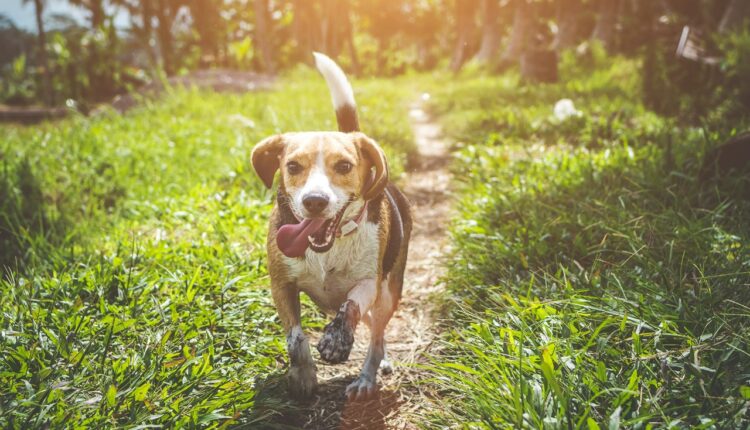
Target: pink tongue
x=292 y=238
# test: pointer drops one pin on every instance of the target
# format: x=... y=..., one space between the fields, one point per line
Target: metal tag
x=348 y=227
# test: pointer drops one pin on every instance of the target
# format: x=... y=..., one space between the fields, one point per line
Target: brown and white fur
x=357 y=278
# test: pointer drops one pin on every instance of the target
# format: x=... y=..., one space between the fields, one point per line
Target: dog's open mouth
x=317 y=234
x=322 y=239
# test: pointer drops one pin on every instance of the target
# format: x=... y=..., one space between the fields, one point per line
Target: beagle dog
x=339 y=232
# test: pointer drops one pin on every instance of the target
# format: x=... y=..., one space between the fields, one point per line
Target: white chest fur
x=328 y=277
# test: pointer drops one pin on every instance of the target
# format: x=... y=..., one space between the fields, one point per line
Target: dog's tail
x=341 y=92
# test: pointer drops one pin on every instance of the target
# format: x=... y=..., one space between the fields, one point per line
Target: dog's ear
x=266 y=158
x=373 y=154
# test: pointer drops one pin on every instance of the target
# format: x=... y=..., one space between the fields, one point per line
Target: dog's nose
x=315 y=203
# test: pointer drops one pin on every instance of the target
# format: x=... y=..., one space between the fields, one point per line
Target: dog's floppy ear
x=373 y=153
x=266 y=158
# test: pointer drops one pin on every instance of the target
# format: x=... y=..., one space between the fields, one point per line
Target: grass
x=134 y=289
x=595 y=282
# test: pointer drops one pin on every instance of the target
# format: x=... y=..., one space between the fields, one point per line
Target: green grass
x=134 y=289
x=595 y=283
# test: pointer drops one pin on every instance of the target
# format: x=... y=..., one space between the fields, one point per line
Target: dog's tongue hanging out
x=292 y=238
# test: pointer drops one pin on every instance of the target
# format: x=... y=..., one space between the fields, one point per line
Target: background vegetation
x=91 y=61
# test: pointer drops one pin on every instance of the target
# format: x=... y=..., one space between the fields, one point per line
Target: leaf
x=614 y=419
x=601 y=371
x=111 y=394
x=548 y=370
x=745 y=392
x=241 y=49
x=524 y=262
x=140 y=393
x=592 y=424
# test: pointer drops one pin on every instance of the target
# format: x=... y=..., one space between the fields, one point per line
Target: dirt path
x=411 y=331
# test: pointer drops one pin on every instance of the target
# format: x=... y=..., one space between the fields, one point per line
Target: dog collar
x=351 y=225
x=347 y=228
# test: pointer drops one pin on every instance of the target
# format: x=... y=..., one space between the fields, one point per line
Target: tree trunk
x=464 y=12
x=606 y=22
x=490 y=32
x=330 y=27
x=100 y=62
x=97 y=14
x=263 y=35
x=567 y=22
x=520 y=34
x=303 y=12
x=736 y=14
x=43 y=60
x=205 y=14
x=147 y=12
x=539 y=65
x=165 y=15
x=348 y=34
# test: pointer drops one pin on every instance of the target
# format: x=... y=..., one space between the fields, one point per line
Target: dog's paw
x=386 y=367
x=362 y=388
x=302 y=381
x=338 y=336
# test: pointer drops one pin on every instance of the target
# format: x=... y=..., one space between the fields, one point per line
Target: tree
x=42 y=50
x=207 y=23
x=490 y=32
x=166 y=13
x=96 y=10
x=606 y=22
x=338 y=29
x=736 y=14
x=464 y=12
x=522 y=25
x=568 y=12
x=263 y=34
x=141 y=24
x=101 y=60
x=302 y=29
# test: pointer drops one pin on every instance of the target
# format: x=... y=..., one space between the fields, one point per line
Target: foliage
x=736 y=48
x=595 y=283
x=372 y=38
x=149 y=305
x=17 y=86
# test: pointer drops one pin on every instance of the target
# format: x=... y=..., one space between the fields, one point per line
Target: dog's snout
x=315 y=203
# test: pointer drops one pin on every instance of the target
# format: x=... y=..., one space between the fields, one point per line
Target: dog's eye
x=293 y=167
x=343 y=167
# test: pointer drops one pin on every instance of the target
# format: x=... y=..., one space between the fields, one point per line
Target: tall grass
x=596 y=282
x=134 y=285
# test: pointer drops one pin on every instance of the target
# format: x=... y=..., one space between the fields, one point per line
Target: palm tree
x=42 y=50
x=96 y=8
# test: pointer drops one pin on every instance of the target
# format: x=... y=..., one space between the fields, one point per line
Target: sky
x=23 y=14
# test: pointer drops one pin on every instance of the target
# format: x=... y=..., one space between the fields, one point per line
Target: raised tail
x=341 y=93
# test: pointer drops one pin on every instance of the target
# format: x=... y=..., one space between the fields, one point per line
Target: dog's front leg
x=301 y=376
x=366 y=385
x=338 y=337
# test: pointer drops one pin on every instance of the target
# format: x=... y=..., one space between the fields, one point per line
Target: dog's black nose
x=315 y=203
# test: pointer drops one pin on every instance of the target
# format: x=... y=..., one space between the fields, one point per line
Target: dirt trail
x=411 y=330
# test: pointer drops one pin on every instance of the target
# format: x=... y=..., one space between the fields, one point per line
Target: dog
x=339 y=232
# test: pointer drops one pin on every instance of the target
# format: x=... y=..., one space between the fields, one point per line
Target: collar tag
x=349 y=227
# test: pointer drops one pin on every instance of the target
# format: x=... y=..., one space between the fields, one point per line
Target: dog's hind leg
x=301 y=376
x=338 y=337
